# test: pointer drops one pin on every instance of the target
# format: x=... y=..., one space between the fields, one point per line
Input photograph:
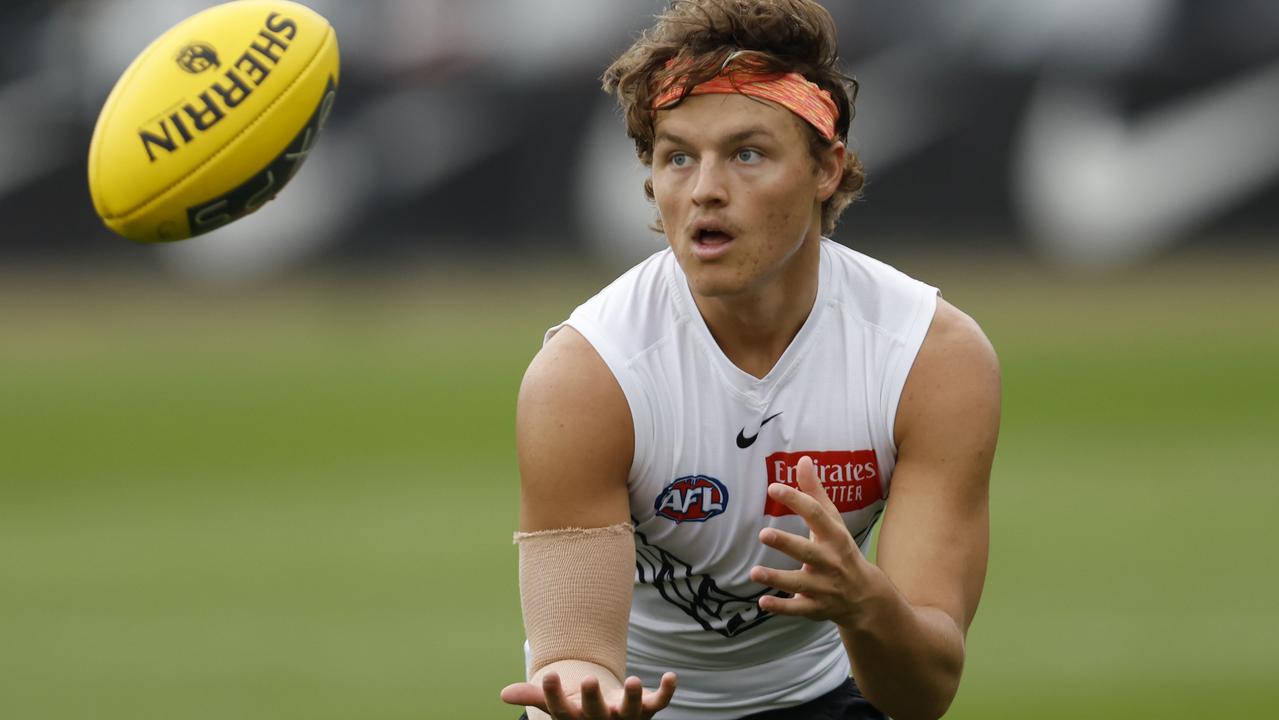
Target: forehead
x=712 y=118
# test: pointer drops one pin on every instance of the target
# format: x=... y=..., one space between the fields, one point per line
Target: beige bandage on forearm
x=575 y=591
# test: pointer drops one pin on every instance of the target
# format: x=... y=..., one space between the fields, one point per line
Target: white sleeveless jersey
x=709 y=438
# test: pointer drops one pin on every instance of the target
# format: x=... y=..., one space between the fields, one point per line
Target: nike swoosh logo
x=1100 y=190
x=744 y=442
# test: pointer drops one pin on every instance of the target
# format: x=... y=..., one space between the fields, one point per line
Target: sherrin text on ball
x=212 y=119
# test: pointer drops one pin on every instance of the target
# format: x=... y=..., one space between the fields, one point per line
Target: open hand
x=629 y=702
x=835 y=578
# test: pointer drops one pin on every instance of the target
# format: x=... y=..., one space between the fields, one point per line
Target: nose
x=710 y=188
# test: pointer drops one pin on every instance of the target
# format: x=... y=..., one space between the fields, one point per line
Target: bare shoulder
x=954 y=337
x=574 y=438
x=956 y=375
x=935 y=537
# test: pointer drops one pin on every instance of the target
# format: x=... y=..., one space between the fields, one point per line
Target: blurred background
x=269 y=472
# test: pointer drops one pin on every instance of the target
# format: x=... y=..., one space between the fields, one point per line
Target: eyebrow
x=733 y=139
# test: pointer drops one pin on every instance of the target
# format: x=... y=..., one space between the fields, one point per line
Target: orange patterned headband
x=790 y=90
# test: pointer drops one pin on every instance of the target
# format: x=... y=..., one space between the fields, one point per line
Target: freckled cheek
x=779 y=219
x=666 y=209
x=666 y=197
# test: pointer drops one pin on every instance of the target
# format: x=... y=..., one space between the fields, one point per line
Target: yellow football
x=212 y=119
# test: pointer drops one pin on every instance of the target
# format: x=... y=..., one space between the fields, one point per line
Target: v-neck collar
x=757 y=390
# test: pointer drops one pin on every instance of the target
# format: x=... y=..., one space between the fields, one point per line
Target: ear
x=830 y=171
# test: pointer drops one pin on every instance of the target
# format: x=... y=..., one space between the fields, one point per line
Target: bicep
x=935 y=536
x=574 y=439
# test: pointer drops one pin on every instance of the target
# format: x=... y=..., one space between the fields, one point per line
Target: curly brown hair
x=694 y=39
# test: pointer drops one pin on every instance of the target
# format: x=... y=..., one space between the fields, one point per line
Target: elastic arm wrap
x=575 y=591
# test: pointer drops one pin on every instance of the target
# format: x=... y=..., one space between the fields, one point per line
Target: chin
x=713 y=284
x=718 y=278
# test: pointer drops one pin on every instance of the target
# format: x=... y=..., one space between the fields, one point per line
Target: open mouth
x=711 y=235
x=711 y=241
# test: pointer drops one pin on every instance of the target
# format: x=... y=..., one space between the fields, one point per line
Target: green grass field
x=297 y=502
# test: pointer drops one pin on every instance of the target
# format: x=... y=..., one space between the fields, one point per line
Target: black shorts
x=843 y=703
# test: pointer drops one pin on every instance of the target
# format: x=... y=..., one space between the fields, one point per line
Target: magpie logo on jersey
x=698 y=595
x=692 y=498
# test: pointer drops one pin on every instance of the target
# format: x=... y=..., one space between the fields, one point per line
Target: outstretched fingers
x=660 y=699
x=791 y=581
x=809 y=499
x=811 y=485
x=797 y=605
x=557 y=703
x=632 y=699
x=593 y=705
x=796 y=546
x=590 y=704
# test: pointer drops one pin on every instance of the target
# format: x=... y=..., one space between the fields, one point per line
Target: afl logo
x=694 y=498
x=198 y=57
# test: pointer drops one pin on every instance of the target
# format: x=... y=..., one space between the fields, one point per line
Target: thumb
x=524 y=693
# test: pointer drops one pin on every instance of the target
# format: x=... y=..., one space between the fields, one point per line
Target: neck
x=754 y=327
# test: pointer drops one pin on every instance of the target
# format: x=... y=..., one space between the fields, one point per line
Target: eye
x=749 y=156
x=679 y=160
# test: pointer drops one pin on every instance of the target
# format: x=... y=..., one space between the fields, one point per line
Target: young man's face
x=738 y=190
